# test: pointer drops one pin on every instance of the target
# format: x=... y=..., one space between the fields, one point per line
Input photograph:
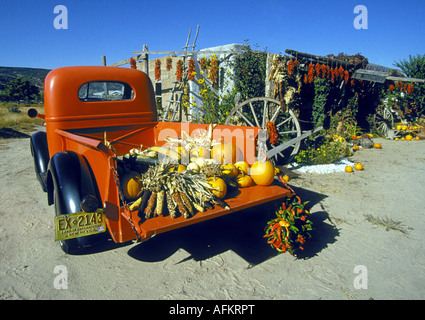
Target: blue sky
x=115 y=29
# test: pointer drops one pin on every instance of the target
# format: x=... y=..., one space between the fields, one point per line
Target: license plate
x=80 y=224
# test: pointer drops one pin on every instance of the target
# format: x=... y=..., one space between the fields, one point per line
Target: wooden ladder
x=174 y=105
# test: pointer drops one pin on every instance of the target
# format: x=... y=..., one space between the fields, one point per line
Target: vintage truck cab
x=94 y=116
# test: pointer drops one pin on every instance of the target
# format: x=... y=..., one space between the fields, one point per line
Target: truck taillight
x=89 y=204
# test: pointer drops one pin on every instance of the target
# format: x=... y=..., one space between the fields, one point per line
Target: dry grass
x=18 y=119
x=387 y=223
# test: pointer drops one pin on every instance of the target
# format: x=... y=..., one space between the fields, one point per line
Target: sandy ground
x=227 y=258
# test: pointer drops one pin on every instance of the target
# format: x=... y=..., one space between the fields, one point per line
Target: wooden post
x=145 y=58
x=269 y=85
x=105 y=85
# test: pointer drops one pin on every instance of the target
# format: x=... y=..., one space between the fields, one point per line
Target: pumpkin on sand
x=262 y=172
x=377 y=146
x=358 y=166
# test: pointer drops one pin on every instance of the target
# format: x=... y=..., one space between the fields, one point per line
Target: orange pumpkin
x=229 y=170
x=244 y=180
x=358 y=166
x=219 y=185
x=225 y=153
x=242 y=166
x=262 y=172
x=349 y=169
x=131 y=185
x=377 y=145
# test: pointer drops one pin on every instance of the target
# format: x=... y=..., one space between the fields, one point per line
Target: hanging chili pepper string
x=158 y=70
x=191 y=70
x=133 y=63
x=169 y=64
x=179 y=71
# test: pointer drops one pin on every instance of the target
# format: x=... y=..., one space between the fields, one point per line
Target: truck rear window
x=105 y=91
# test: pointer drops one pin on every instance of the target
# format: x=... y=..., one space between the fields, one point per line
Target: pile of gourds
x=183 y=190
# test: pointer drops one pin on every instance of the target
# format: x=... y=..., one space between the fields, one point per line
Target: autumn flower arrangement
x=291 y=228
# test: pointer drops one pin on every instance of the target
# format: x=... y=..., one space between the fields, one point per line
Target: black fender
x=40 y=154
x=69 y=180
x=71 y=177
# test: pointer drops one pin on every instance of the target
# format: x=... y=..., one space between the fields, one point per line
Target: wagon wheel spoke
x=243 y=117
x=257 y=112
x=383 y=121
x=273 y=119
x=288 y=132
x=265 y=111
x=254 y=115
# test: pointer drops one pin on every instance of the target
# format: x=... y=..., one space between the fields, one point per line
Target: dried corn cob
x=220 y=202
x=198 y=207
x=145 y=197
x=187 y=203
x=135 y=205
x=171 y=206
x=151 y=205
x=159 y=203
x=180 y=204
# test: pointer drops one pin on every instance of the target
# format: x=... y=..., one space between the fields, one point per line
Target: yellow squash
x=262 y=172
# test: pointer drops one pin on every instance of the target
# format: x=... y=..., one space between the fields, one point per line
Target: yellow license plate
x=80 y=224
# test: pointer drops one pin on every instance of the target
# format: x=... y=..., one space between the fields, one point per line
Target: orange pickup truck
x=94 y=116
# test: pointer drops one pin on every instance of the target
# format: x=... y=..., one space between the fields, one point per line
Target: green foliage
x=321 y=95
x=323 y=150
x=215 y=108
x=21 y=89
x=13 y=108
x=249 y=69
x=414 y=67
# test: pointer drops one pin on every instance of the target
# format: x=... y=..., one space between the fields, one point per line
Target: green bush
x=249 y=69
x=323 y=151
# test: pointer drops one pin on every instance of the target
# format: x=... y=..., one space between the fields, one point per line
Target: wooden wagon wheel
x=257 y=112
x=383 y=120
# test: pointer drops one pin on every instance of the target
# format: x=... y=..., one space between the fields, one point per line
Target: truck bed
x=243 y=198
x=124 y=224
